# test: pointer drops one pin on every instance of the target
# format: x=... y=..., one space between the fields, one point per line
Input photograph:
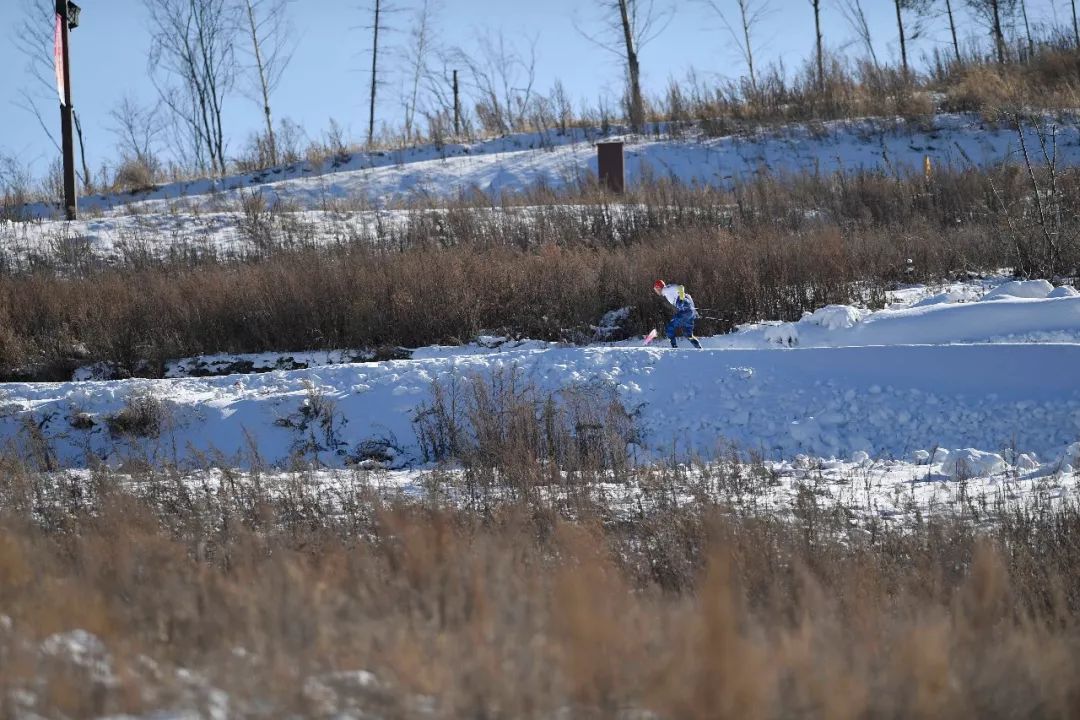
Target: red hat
x=659 y=285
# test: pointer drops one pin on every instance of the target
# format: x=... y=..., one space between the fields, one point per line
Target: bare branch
x=501 y=80
x=852 y=11
x=271 y=48
x=420 y=46
x=751 y=14
x=992 y=13
x=626 y=27
x=194 y=45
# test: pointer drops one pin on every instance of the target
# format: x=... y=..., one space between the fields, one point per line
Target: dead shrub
x=984 y=90
x=136 y=175
x=316 y=424
x=503 y=421
x=143 y=415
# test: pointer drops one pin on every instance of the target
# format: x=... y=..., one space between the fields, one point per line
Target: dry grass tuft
x=142 y=416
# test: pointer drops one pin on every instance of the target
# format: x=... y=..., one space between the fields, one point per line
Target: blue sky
x=327 y=78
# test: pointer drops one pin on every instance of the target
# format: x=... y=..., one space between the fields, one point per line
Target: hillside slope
x=342 y=195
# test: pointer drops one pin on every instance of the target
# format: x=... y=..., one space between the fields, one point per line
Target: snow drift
x=896 y=382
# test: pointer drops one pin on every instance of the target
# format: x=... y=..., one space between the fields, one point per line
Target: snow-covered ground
x=960 y=379
x=981 y=387
x=207 y=213
x=962 y=399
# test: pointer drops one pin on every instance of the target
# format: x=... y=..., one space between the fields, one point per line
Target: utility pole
x=68 y=19
x=374 y=77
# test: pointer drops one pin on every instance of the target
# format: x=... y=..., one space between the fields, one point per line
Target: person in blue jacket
x=685 y=312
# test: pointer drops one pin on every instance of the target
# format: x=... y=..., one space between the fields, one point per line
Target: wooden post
x=611 y=166
x=457 y=107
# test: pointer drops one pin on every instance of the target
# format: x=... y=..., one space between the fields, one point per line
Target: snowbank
x=1012 y=312
x=826 y=402
x=970 y=462
x=847 y=383
x=1031 y=289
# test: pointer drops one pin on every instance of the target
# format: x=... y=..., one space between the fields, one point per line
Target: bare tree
x=417 y=56
x=271 y=50
x=629 y=26
x=917 y=8
x=32 y=37
x=376 y=25
x=952 y=29
x=15 y=183
x=501 y=80
x=852 y=11
x=991 y=12
x=379 y=11
x=194 y=45
x=816 y=4
x=443 y=88
x=751 y=13
x=1027 y=28
x=137 y=130
x=560 y=102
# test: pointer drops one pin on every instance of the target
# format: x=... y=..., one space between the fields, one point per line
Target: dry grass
x=1045 y=80
x=513 y=440
x=523 y=610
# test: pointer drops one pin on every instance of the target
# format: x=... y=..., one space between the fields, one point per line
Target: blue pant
x=684 y=322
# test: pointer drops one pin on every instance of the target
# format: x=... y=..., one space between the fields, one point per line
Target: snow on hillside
x=515 y=162
x=206 y=212
x=904 y=383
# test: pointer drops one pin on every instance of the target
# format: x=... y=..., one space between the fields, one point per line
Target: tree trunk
x=952 y=29
x=418 y=52
x=1076 y=27
x=374 y=68
x=637 y=105
x=743 y=8
x=862 y=28
x=903 y=42
x=820 y=45
x=999 y=36
x=457 y=106
x=270 y=139
x=1027 y=29
x=82 y=150
x=215 y=130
